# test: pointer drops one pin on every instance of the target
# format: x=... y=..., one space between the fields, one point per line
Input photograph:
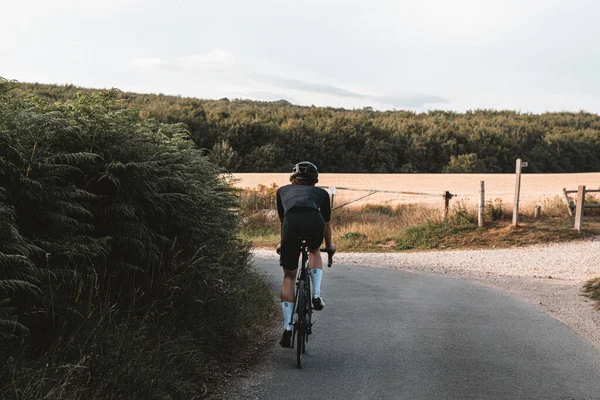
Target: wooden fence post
x=481 y=204
x=579 y=208
x=566 y=196
x=447 y=197
x=520 y=165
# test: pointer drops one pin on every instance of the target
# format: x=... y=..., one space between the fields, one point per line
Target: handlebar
x=329 y=252
x=330 y=256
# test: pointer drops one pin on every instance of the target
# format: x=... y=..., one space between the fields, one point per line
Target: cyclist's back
x=302 y=198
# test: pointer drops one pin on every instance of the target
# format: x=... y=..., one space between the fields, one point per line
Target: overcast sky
x=526 y=55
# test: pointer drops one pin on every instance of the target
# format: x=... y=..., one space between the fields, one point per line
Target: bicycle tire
x=300 y=324
x=308 y=310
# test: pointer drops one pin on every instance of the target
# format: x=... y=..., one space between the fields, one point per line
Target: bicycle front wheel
x=300 y=324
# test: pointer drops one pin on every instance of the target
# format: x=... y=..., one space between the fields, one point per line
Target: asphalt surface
x=388 y=334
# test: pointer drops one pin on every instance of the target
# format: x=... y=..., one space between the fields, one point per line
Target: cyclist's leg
x=314 y=259
x=289 y=262
x=317 y=234
x=290 y=252
x=315 y=262
x=287 y=287
x=287 y=305
x=316 y=273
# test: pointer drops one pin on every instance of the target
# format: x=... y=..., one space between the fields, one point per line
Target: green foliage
x=251 y=136
x=592 y=199
x=464 y=163
x=592 y=288
x=431 y=233
x=354 y=236
x=114 y=225
x=495 y=209
x=224 y=156
x=427 y=235
x=460 y=216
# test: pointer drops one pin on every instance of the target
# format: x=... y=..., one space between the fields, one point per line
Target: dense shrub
x=120 y=271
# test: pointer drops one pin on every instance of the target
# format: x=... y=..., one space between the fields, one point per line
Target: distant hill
x=261 y=136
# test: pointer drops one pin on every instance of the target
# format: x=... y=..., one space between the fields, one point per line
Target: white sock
x=316 y=274
x=288 y=311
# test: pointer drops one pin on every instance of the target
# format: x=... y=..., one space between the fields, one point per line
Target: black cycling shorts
x=300 y=224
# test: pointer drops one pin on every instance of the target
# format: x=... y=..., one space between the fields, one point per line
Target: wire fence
x=446 y=195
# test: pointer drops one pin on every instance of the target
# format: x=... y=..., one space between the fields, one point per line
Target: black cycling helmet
x=306 y=170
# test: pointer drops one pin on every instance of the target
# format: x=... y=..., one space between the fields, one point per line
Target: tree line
x=253 y=136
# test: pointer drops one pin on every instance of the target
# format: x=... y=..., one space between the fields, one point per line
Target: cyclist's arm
x=328 y=241
x=280 y=210
x=325 y=209
x=281 y=213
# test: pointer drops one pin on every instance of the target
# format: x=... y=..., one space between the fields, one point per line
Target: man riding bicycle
x=304 y=211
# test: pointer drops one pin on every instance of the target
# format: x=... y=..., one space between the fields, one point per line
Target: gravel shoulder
x=549 y=276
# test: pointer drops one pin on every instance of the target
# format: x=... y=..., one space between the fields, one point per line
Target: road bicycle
x=302 y=316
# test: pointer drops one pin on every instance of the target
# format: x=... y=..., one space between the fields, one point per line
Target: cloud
x=215 y=60
x=303 y=86
x=148 y=63
x=269 y=86
x=414 y=100
x=417 y=100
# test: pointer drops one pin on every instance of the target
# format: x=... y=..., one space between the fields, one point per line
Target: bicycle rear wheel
x=307 y=312
x=300 y=324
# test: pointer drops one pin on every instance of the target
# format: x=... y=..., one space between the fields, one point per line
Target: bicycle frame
x=302 y=325
x=303 y=308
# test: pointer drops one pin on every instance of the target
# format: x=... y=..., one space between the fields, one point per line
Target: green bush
x=426 y=235
x=460 y=216
x=495 y=209
x=354 y=236
x=120 y=271
x=430 y=234
x=464 y=163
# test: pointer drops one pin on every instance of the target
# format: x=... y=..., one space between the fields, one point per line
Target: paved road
x=397 y=335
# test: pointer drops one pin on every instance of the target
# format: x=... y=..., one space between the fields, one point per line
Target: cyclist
x=304 y=211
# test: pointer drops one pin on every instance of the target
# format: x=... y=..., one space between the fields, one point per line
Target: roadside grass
x=406 y=227
x=497 y=234
x=155 y=355
x=592 y=290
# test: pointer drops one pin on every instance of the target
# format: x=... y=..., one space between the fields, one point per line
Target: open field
x=535 y=188
x=389 y=222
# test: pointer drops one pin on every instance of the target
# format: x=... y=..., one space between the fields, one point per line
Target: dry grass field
x=535 y=188
x=392 y=222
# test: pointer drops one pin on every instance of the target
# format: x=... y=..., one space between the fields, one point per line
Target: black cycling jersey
x=300 y=197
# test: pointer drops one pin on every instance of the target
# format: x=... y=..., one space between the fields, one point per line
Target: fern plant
x=107 y=218
x=18 y=274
